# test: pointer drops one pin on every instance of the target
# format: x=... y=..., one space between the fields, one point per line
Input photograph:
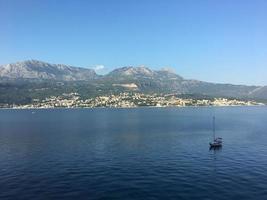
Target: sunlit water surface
x=150 y=153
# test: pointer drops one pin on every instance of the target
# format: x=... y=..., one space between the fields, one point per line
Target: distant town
x=128 y=100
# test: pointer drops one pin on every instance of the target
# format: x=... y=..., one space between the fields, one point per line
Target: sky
x=210 y=40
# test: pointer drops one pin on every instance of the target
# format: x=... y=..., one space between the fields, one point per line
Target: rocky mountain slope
x=21 y=75
x=34 y=69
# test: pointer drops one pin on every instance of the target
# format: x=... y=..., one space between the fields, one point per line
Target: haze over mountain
x=87 y=82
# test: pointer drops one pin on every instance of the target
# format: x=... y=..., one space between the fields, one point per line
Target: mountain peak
x=29 y=62
x=35 y=69
x=140 y=78
x=33 y=61
x=133 y=71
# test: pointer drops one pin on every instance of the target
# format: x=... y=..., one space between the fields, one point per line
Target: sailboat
x=217 y=142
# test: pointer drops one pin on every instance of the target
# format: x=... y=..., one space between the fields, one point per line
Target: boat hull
x=215 y=145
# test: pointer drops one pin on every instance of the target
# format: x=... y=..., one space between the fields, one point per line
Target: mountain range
x=34 y=69
x=31 y=79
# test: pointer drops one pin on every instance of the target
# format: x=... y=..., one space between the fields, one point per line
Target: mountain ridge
x=136 y=70
x=121 y=79
x=35 y=69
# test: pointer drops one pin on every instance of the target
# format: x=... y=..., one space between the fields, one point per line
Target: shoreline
x=138 y=107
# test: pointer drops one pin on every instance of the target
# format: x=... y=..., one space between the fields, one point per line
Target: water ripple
x=102 y=154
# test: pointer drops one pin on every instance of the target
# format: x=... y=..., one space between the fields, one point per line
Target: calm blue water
x=151 y=153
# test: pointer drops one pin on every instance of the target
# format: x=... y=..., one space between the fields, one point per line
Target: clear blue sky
x=210 y=40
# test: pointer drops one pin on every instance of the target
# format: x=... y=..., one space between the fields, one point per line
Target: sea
x=135 y=153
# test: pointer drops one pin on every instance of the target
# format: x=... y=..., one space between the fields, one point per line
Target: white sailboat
x=217 y=142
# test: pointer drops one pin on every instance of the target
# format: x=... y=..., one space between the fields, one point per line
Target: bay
x=138 y=153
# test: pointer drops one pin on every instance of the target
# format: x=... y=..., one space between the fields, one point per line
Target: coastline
x=127 y=100
x=137 y=107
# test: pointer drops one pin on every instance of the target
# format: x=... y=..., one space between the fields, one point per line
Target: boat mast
x=213 y=127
